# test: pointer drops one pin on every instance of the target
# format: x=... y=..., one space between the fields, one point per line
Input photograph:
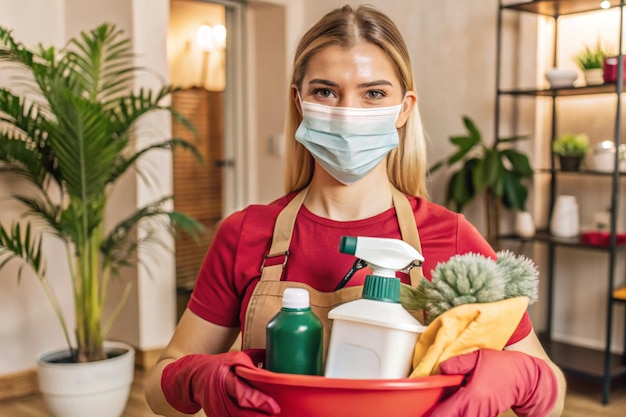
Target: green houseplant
x=570 y=149
x=497 y=171
x=70 y=134
x=592 y=57
x=591 y=61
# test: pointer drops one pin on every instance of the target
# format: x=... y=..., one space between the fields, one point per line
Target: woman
x=354 y=139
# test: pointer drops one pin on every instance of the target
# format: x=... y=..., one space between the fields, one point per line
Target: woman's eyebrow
x=375 y=84
x=323 y=82
x=362 y=85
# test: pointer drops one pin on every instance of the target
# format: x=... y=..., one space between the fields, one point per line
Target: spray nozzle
x=384 y=256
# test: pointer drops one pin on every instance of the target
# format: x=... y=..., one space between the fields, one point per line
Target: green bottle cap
x=347 y=244
x=382 y=289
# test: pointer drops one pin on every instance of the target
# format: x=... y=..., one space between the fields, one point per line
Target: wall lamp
x=211 y=38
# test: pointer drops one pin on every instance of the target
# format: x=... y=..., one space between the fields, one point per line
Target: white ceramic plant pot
x=94 y=389
x=594 y=76
x=524 y=224
x=565 y=218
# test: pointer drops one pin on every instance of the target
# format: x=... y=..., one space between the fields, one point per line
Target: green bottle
x=294 y=337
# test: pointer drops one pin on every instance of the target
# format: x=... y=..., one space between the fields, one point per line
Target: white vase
x=594 y=76
x=564 y=221
x=524 y=224
x=94 y=389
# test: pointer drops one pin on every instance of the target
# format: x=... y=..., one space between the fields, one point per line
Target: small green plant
x=571 y=144
x=592 y=57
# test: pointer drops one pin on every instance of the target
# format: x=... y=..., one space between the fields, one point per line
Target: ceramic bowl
x=602 y=159
x=318 y=396
x=560 y=78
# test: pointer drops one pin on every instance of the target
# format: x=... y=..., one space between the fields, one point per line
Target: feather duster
x=472 y=278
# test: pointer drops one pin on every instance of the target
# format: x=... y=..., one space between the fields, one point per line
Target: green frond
x=42 y=208
x=82 y=144
x=104 y=61
x=12 y=50
x=128 y=109
x=81 y=218
x=17 y=243
x=22 y=140
x=183 y=121
x=116 y=246
x=124 y=163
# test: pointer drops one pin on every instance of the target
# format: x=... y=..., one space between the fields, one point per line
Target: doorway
x=197 y=50
x=228 y=90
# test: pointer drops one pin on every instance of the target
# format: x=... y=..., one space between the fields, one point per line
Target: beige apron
x=266 y=299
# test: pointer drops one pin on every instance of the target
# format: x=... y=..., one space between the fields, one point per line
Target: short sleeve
x=215 y=297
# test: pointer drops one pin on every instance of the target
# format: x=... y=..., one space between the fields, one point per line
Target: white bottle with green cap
x=374 y=337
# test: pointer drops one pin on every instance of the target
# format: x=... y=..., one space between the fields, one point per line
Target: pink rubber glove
x=209 y=382
x=496 y=381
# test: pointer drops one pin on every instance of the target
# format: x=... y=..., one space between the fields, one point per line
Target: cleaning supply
x=464 y=329
x=294 y=336
x=374 y=337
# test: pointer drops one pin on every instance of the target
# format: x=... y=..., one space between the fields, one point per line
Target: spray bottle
x=374 y=337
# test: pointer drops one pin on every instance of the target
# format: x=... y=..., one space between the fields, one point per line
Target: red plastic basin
x=317 y=396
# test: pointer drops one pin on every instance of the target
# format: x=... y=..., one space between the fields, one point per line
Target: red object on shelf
x=597 y=238
x=610 y=69
x=318 y=396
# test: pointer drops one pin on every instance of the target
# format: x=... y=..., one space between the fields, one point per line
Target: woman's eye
x=374 y=94
x=323 y=92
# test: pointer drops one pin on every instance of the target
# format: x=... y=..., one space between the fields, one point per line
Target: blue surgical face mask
x=348 y=142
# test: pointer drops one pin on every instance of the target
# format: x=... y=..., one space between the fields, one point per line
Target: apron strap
x=408 y=229
x=283 y=229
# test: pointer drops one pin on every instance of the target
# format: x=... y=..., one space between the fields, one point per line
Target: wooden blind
x=198 y=187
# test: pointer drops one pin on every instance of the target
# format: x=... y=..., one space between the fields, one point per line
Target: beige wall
x=268 y=95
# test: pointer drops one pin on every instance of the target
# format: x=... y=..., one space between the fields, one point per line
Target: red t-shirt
x=231 y=268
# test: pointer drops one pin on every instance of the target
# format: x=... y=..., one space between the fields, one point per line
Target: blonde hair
x=346 y=27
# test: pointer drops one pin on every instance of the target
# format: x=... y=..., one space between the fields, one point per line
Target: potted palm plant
x=66 y=129
x=497 y=171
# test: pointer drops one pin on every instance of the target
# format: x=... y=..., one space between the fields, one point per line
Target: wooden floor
x=583 y=400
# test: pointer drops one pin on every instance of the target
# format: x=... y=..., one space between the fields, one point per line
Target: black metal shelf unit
x=599 y=365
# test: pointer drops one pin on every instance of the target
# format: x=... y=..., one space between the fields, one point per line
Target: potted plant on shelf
x=591 y=62
x=67 y=135
x=498 y=171
x=570 y=149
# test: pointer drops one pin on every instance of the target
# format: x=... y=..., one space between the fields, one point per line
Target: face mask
x=348 y=142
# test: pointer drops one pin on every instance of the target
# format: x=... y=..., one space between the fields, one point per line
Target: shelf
x=596 y=364
x=554 y=8
x=584 y=172
x=544 y=236
x=581 y=361
x=606 y=88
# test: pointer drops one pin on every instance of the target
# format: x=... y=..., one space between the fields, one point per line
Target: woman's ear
x=410 y=99
x=295 y=96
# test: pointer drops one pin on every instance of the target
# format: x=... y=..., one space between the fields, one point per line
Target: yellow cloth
x=464 y=329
